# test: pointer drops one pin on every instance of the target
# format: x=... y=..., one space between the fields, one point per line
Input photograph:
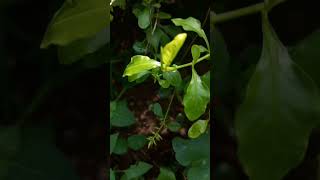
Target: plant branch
x=237 y=13
x=190 y=64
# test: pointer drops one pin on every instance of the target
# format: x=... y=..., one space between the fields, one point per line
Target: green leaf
x=199 y=170
x=113 y=141
x=189 y=151
x=38 y=157
x=120 y=115
x=197 y=128
x=137 y=142
x=118 y=3
x=170 y=50
x=137 y=170
x=112 y=175
x=206 y=79
x=156 y=37
x=173 y=77
x=79 y=48
x=280 y=110
x=196 y=98
x=306 y=54
x=171 y=30
x=81 y=20
x=191 y=24
x=164 y=15
x=140 y=77
x=121 y=146
x=139 y=47
x=139 y=64
x=156 y=109
x=144 y=17
x=164 y=83
x=196 y=50
x=174 y=126
x=166 y=174
x=10 y=140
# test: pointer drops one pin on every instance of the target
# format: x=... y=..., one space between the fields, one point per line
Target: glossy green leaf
x=79 y=48
x=157 y=109
x=137 y=142
x=281 y=108
x=166 y=174
x=196 y=98
x=112 y=175
x=120 y=115
x=144 y=17
x=174 y=126
x=10 y=140
x=121 y=146
x=306 y=54
x=170 y=50
x=173 y=77
x=196 y=50
x=137 y=170
x=113 y=141
x=81 y=20
x=197 y=128
x=191 y=24
x=140 y=64
x=188 y=151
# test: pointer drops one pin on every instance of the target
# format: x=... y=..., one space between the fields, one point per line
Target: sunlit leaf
x=170 y=50
x=140 y=64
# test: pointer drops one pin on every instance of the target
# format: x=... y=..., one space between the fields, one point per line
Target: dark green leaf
x=157 y=109
x=140 y=64
x=137 y=142
x=137 y=170
x=189 y=151
x=166 y=174
x=79 y=48
x=196 y=98
x=163 y=15
x=199 y=170
x=139 y=47
x=174 y=126
x=156 y=37
x=171 y=30
x=73 y=22
x=120 y=115
x=164 y=83
x=173 y=77
x=197 y=128
x=121 y=146
x=306 y=54
x=113 y=141
x=280 y=110
x=144 y=17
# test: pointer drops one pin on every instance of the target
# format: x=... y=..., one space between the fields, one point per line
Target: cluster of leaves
x=154 y=58
x=280 y=106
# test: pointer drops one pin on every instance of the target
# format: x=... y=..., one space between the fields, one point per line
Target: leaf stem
x=190 y=64
x=237 y=13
